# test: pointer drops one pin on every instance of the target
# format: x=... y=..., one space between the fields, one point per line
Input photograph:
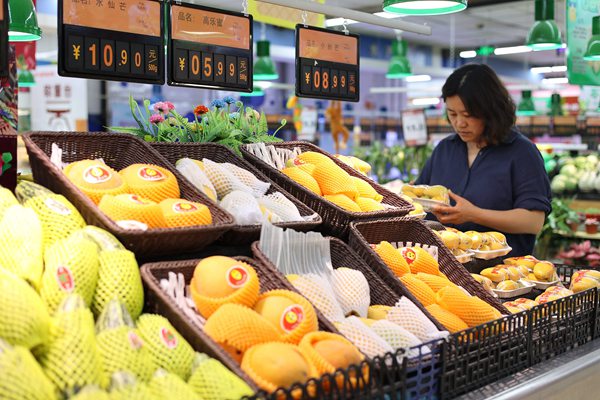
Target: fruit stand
x=220 y=312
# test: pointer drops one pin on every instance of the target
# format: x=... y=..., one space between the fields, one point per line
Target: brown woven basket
x=363 y=234
x=239 y=234
x=336 y=220
x=120 y=151
x=344 y=256
x=158 y=301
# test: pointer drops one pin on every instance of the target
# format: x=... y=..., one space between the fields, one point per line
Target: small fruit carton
x=239 y=234
x=336 y=211
x=121 y=151
x=427 y=196
x=523 y=287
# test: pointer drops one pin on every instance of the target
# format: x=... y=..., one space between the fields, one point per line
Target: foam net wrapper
x=91 y=392
x=363 y=337
x=22 y=376
x=352 y=291
x=223 y=180
x=165 y=385
x=280 y=206
x=24 y=316
x=21 y=244
x=271 y=155
x=406 y=314
x=258 y=187
x=397 y=336
x=212 y=381
x=432 y=250
x=243 y=206
x=196 y=176
x=314 y=288
x=124 y=386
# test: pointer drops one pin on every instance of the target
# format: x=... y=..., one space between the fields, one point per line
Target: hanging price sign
x=327 y=64
x=119 y=40
x=3 y=37
x=209 y=48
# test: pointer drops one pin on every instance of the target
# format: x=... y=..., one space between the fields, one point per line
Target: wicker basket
x=363 y=234
x=336 y=220
x=120 y=151
x=344 y=256
x=239 y=234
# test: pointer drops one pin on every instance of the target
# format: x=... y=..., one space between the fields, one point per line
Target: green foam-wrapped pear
x=211 y=380
x=91 y=392
x=21 y=375
x=71 y=359
x=71 y=267
x=119 y=279
x=24 y=318
x=7 y=199
x=169 y=349
x=120 y=345
x=124 y=386
x=165 y=385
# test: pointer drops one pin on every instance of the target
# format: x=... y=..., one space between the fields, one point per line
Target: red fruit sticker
x=150 y=174
x=237 y=276
x=65 y=280
x=373 y=246
x=292 y=317
x=409 y=255
x=184 y=207
x=135 y=341
x=298 y=161
x=139 y=200
x=56 y=206
x=96 y=174
x=168 y=338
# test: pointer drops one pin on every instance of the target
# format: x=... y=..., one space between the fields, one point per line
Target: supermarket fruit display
x=75 y=277
x=239 y=192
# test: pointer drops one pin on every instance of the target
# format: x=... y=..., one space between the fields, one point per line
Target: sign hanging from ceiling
x=3 y=37
x=209 y=48
x=327 y=64
x=281 y=16
x=579 y=31
x=118 y=40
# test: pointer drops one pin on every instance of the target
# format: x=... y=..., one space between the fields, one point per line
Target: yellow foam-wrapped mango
x=302 y=178
x=449 y=320
x=365 y=189
x=472 y=310
x=131 y=207
x=334 y=180
x=343 y=201
x=392 y=258
x=366 y=204
x=419 y=260
x=419 y=289
x=95 y=179
x=179 y=212
x=151 y=182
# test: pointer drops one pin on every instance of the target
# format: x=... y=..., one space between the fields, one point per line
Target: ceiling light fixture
x=418 y=78
x=544 y=34
x=526 y=106
x=468 y=54
x=264 y=67
x=426 y=101
x=23 y=25
x=424 y=7
x=500 y=51
x=331 y=22
x=548 y=70
x=592 y=53
x=555 y=81
x=399 y=65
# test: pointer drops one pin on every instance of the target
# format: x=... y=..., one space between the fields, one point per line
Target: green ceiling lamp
x=256 y=92
x=526 y=107
x=26 y=79
x=544 y=34
x=23 y=26
x=592 y=52
x=399 y=65
x=264 y=67
x=424 y=7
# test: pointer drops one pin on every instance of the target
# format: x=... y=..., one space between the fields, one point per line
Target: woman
x=495 y=174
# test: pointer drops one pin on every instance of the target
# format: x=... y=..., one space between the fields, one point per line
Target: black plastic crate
x=484 y=354
x=423 y=369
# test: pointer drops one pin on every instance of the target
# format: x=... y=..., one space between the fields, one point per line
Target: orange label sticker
x=328 y=46
x=202 y=26
x=139 y=200
x=133 y=16
x=96 y=174
x=65 y=280
x=237 y=276
x=134 y=340
x=298 y=161
x=150 y=174
x=183 y=207
x=168 y=338
x=292 y=317
x=409 y=255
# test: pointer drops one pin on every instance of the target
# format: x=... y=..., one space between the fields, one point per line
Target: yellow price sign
x=284 y=17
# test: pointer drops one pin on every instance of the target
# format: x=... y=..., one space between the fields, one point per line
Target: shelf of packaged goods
x=572 y=375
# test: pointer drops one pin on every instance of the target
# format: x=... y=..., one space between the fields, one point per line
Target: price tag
x=414 y=127
x=119 y=40
x=3 y=37
x=209 y=48
x=327 y=64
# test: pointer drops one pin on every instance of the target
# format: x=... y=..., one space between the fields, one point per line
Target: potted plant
x=225 y=122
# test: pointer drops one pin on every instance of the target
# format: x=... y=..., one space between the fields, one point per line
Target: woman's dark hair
x=484 y=97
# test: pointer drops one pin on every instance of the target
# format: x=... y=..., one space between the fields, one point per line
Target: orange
x=95 y=179
x=130 y=207
x=151 y=181
x=179 y=212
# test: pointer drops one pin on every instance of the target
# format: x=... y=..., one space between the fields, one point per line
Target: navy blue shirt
x=502 y=177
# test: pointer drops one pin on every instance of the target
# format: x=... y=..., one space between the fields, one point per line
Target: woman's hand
x=463 y=211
